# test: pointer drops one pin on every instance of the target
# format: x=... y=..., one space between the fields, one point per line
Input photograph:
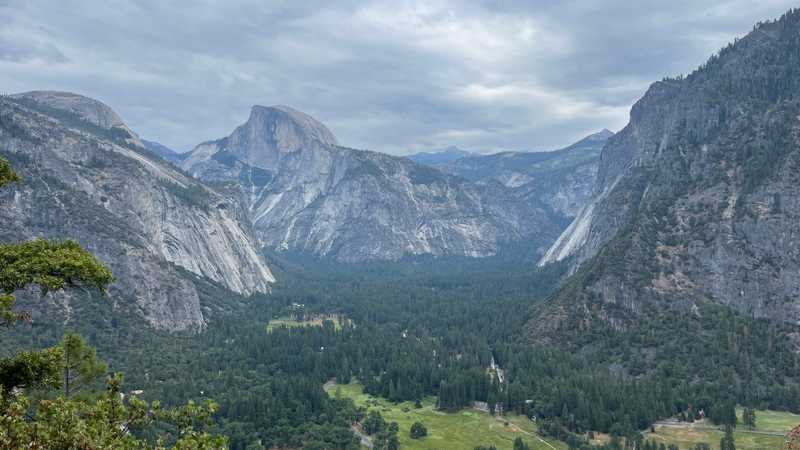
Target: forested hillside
x=697 y=198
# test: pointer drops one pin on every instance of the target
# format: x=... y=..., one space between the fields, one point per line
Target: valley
x=274 y=288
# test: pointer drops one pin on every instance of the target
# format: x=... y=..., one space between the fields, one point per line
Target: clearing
x=771 y=426
x=315 y=320
x=459 y=430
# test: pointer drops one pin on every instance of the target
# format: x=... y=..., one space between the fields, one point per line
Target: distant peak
x=440 y=156
x=290 y=128
x=280 y=108
x=605 y=133
x=594 y=138
x=46 y=93
x=88 y=108
x=454 y=149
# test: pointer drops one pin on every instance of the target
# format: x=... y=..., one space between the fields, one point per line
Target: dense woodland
x=421 y=328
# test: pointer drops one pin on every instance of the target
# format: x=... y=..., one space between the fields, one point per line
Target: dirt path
x=366 y=441
x=528 y=433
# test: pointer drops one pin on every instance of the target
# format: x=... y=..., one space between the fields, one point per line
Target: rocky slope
x=87 y=177
x=306 y=193
x=697 y=199
x=560 y=181
x=162 y=151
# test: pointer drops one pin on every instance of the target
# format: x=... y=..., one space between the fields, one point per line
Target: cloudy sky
x=391 y=76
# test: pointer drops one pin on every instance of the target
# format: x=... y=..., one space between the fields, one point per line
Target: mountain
x=162 y=151
x=88 y=177
x=437 y=157
x=697 y=199
x=560 y=181
x=305 y=193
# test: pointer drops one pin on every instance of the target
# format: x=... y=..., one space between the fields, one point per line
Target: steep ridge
x=435 y=158
x=87 y=177
x=306 y=193
x=697 y=199
x=162 y=151
x=561 y=180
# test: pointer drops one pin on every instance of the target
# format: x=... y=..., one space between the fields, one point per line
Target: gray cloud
x=390 y=76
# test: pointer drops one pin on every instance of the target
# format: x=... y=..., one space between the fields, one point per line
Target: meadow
x=771 y=426
x=311 y=321
x=459 y=430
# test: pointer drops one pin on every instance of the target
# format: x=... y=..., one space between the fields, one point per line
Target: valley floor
x=460 y=430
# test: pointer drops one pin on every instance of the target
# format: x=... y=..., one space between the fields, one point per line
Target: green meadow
x=460 y=430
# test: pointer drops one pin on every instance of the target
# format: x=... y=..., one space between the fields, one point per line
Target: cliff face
x=306 y=193
x=697 y=198
x=87 y=177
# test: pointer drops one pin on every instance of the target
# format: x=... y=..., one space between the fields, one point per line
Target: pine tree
x=71 y=366
x=374 y=423
x=727 y=442
x=418 y=430
x=519 y=444
x=749 y=417
x=80 y=365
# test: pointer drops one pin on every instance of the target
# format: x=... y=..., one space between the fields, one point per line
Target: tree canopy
x=7 y=174
x=55 y=420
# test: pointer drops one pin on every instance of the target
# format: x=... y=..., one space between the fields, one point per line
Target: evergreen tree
x=80 y=364
x=374 y=423
x=727 y=442
x=63 y=422
x=7 y=174
x=519 y=444
x=749 y=417
x=418 y=430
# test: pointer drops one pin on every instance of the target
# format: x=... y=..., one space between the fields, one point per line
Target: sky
x=392 y=76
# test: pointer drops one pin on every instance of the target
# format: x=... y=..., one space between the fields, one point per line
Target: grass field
x=767 y=422
x=461 y=430
x=313 y=321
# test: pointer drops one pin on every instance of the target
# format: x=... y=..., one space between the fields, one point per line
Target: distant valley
x=274 y=288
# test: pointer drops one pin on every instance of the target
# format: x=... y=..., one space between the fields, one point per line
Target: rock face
x=84 y=108
x=305 y=193
x=559 y=181
x=698 y=198
x=86 y=177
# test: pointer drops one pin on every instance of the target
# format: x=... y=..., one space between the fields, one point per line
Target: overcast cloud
x=390 y=76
